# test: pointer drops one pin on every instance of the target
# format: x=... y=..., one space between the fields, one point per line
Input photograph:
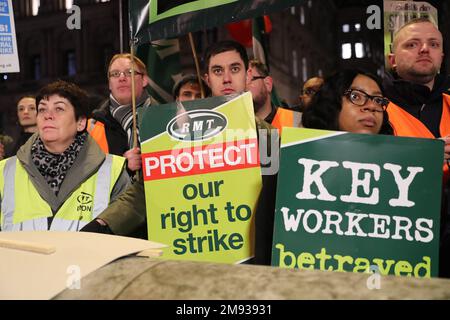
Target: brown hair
x=260 y=67
x=138 y=62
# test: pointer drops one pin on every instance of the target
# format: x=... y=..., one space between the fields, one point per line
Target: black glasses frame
x=379 y=100
x=258 y=77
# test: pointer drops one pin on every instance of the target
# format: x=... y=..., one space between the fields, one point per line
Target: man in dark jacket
x=420 y=101
x=112 y=124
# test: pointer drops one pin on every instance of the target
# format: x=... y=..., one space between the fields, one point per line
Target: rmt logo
x=84 y=202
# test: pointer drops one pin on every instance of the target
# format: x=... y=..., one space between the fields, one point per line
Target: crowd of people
x=64 y=153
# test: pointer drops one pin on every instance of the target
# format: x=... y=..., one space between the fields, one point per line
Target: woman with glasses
x=350 y=100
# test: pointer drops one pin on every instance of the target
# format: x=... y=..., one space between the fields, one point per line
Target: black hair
x=224 y=46
x=189 y=78
x=323 y=112
x=77 y=96
x=23 y=96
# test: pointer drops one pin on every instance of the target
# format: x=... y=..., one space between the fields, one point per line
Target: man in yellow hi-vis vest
x=60 y=179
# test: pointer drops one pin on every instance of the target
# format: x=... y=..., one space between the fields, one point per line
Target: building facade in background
x=314 y=38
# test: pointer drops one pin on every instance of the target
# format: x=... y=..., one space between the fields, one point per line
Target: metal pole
x=121 y=26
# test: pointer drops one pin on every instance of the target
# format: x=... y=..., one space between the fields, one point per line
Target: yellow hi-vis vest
x=23 y=209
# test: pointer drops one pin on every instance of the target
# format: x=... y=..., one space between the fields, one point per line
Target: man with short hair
x=188 y=88
x=420 y=100
x=112 y=124
x=260 y=84
x=226 y=65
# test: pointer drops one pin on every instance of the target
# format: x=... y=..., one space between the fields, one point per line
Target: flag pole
x=133 y=101
x=133 y=97
x=194 y=53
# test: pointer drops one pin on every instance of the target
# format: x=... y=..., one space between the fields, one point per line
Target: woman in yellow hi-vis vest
x=60 y=179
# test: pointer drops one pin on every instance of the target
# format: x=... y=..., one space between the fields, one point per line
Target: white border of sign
x=10 y=62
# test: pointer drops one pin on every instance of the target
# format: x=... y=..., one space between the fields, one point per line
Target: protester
x=260 y=84
x=111 y=124
x=419 y=95
x=350 y=100
x=226 y=65
x=188 y=88
x=26 y=115
x=310 y=88
x=420 y=102
x=60 y=179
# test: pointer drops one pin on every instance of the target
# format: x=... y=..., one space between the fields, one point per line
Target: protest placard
x=354 y=202
x=202 y=178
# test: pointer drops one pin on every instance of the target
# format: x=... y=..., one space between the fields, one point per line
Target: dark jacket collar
x=408 y=94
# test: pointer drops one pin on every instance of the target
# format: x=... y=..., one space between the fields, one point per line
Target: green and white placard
x=358 y=203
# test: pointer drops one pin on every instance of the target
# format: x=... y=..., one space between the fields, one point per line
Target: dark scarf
x=124 y=114
x=54 y=167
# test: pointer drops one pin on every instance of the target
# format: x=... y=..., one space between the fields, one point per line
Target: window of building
x=107 y=55
x=304 y=69
x=302 y=15
x=294 y=63
x=346 y=50
x=35 y=7
x=71 y=63
x=36 y=67
x=69 y=4
x=359 y=50
x=357 y=27
x=345 y=28
x=293 y=11
x=368 y=51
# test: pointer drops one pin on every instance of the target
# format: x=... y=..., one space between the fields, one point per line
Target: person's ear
x=206 y=78
x=268 y=82
x=145 y=80
x=391 y=58
x=81 y=124
x=249 y=76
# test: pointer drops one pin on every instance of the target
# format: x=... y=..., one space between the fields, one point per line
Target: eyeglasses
x=360 y=98
x=257 y=77
x=126 y=73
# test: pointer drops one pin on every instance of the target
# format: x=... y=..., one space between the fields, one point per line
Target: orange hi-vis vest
x=97 y=131
x=406 y=125
x=286 y=118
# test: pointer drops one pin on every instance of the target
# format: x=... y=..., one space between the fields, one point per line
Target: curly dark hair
x=77 y=96
x=323 y=113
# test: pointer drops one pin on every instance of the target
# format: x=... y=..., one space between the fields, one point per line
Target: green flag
x=162 y=58
x=159 y=19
